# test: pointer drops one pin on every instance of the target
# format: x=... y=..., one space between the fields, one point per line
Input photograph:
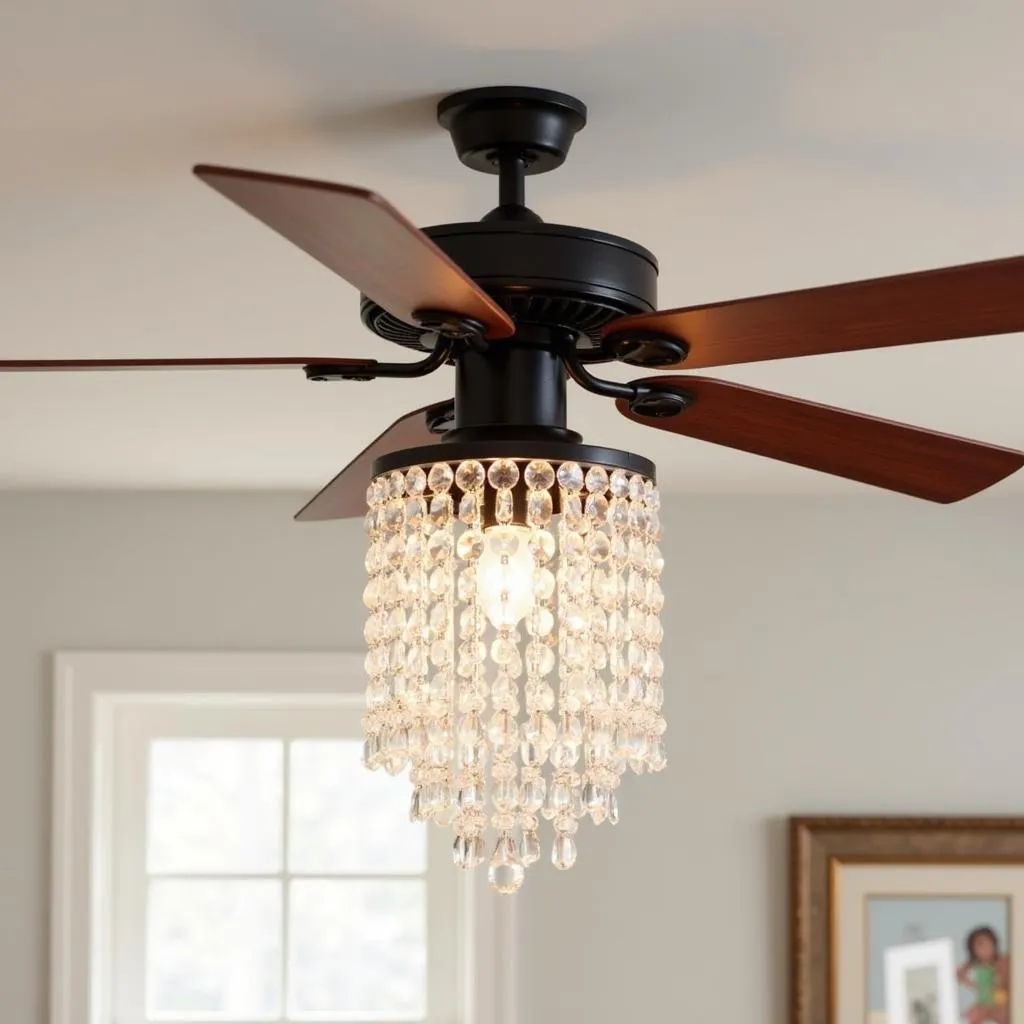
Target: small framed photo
x=906 y=920
x=920 y=983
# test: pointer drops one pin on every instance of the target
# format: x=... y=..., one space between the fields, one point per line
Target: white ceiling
x=754 y=147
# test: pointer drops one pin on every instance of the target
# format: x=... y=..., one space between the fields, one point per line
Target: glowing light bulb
x=505 y=575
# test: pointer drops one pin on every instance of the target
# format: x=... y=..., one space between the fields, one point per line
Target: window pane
x=345 y=818
x=215 y=805
x=214 y=947
x=358 y=948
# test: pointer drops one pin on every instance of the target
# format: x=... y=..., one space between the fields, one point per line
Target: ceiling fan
x=518 y=305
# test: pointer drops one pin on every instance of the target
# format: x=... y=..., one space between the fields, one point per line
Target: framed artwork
x=906 y=920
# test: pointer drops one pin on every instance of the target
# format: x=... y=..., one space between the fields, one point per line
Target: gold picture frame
x=821 y=848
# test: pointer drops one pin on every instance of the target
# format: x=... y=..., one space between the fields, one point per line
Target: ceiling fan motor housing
x=546 y=274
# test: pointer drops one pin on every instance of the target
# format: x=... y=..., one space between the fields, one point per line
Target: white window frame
x=89 y=687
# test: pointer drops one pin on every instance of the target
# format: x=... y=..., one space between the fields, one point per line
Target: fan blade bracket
x=325 y=372
x=643 y=397
x=371 y=370
x=661 y=403
x=441 y=418
x=454 y=326
x=651 y=350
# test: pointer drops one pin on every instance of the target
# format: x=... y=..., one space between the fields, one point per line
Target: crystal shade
x=513 y=659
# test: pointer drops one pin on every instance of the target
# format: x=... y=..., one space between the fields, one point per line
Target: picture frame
x=874 y=899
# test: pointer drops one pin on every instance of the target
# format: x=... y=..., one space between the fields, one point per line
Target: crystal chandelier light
x=514 y=637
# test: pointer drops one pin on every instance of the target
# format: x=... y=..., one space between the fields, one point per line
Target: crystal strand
x=375 y=631
x=618 y=617
x=608 y=626
x=655 y=758
x=504 y=731
x=471 y=817
x=409 y=685
x=441 y=692
x=538 y=731
x=564 y=799
x=630 y=738
x=502 y=476
x=593 y=698
x=394 y=738
x=432 y=730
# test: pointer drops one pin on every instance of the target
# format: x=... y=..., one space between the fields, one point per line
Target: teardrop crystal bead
x=459 y=852
x=529 y=848
x=503 y=507
x=533 y=794
x=505 y=796
x=468 y=508
x=371 y=751
x=559 y=800
x=506 y=872
x=470 y=796
x=613 y=809
x=475 y=852
x=563 y=852
x=539 y=508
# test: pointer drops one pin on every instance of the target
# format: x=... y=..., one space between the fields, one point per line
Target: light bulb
x=505 y=575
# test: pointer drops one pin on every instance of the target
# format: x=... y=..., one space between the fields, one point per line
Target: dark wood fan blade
x=365 y=240
x=911 y=460
x=227 y=363
x=345 y=496
x=972 y=301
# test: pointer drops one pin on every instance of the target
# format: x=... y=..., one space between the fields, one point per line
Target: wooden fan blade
x=345 y=496
x=911 y=460
x=365 y=240
x=972 y=301
x=227 y=363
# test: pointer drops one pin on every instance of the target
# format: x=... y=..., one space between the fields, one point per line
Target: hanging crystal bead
x=440 y=477
x=529 y=848
x=506 y=871
x=503 y=474
x=539 y=475
x=570 y=477
x=469 y=476
x=503 y=507
x=563 y=851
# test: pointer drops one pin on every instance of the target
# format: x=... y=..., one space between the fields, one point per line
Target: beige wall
x=824 y=655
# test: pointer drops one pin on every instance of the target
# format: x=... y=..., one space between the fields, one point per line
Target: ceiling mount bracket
x=535 y=125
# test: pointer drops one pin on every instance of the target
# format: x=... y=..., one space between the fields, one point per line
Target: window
x=241 y=865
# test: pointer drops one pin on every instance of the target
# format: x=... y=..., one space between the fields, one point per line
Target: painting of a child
x=986 y=972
